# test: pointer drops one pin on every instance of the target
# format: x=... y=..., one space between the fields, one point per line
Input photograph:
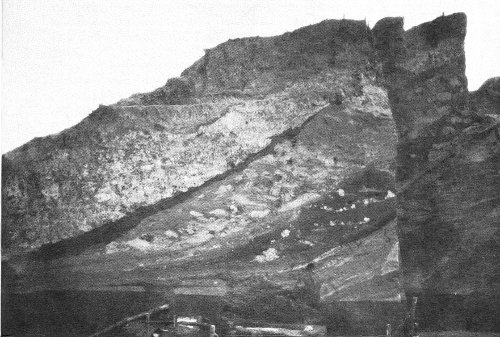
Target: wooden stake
x=130 y=319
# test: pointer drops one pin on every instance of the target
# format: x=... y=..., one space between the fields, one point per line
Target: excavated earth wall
x=447 y=175
x=268 y=166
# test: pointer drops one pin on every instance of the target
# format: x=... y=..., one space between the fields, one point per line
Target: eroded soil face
x=267 y=183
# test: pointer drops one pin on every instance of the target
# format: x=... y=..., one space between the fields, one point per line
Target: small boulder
x=219 y=212
x=257 y=214
x=270 y=254
x=390 y=194
x=171 y=234
x=224 y=189
x=285 y=233
x=196 y=214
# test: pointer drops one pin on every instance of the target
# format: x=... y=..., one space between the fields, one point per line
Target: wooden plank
x=304 y=330
x=130 y=319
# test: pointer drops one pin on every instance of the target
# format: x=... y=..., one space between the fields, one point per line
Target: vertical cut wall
x=447 y=175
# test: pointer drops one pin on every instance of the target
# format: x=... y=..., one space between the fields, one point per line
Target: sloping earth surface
x=287 y=207
x=221 y=112
x=304 y=225
x=275 y=188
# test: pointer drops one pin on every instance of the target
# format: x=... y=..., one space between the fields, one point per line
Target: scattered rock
x=285 y=233
x=219 y=212
x=190 y=229
x=270 y=254
x=199 y=238
x=224 y=189
x=217 y=226
x=244 y=200
x=112 y=247
x=306 y=242
x=234 y=209
x=275 y=191
x=257 y=214
x=171 y=234
x=85 y=227
x=390 y=194
x=139 y=244
x=196 y=214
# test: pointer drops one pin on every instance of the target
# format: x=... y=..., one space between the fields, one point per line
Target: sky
x=62 y=58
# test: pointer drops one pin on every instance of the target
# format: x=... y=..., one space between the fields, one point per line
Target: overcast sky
x=62 y=58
